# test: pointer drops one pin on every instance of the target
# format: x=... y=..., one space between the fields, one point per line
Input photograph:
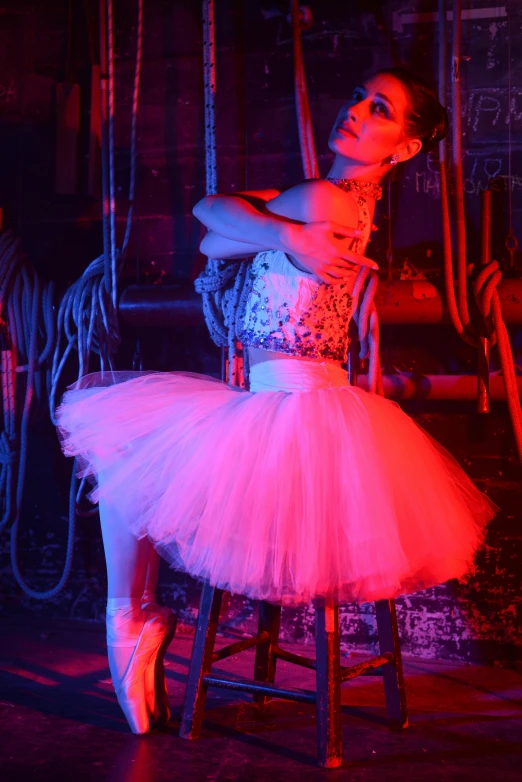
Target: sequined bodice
x=291 y=311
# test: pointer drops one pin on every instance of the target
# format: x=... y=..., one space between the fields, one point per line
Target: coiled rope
x=86 y=322
x=26 y=316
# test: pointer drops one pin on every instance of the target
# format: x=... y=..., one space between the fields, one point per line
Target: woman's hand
x=323 y=248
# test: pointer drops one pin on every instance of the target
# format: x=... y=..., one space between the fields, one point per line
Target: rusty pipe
x=405 y=385
x=400 y=302
x=483 y=341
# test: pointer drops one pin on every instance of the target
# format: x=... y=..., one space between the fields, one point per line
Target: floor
x=59 y=720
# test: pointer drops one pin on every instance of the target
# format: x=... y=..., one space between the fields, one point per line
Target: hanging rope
x=511 y=242
x=27 y=334
x=365 y=313
x=446 y=226
x=112 y=285
x=488 y=302
x=86 y=320
x=456 y=139
x=487 y=281
x=87 y=317
x=21 y=325
x=458 y=309
x=221 y=285
x=302 y=104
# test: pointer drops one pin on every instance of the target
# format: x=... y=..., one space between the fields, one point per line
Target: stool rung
x=296 y=659
x=347 y=672
x=350 y=672
x=240 y=646
x=247 y=685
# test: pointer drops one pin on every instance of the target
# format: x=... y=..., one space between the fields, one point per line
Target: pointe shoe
x=131 y=693
x=156 y=692
x=155 y=608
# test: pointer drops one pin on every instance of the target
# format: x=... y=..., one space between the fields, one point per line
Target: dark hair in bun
x=426 y=119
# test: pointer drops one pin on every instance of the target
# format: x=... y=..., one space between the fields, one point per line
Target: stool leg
x=265 y=664
x=328 y=674
x=200 y=662
x=389 y=641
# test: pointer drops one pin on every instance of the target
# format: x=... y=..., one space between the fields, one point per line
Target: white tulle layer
x=283 y=495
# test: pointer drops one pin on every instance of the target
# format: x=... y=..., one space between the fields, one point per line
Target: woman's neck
x=342 y=168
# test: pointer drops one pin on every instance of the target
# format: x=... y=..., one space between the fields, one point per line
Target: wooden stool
x=329 y=672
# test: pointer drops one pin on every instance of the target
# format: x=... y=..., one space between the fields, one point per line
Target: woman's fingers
x=335 y=272
x=344 y=231
x=359 y=260
x=337 y=267
x=348 y=265
x=330 y=279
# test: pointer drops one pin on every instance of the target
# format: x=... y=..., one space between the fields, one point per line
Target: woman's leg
x=126 y=557
x=128 y=560
x=151 y=578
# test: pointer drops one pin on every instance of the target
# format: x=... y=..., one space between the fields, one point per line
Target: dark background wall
x=258 y=147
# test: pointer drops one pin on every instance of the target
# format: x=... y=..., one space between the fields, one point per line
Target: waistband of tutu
x=294 y=374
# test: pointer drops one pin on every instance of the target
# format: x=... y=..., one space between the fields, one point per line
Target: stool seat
x=329 y=672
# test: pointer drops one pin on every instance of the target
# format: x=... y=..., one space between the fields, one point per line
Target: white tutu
x=303 y=487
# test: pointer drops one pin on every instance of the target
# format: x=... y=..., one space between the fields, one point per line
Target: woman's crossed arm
x=295 y=222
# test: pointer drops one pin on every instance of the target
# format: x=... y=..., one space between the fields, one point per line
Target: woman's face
x=369 y=128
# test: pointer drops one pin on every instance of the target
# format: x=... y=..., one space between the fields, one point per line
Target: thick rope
x=365 y=314
x=86 y=321
x=113 y=287
x=134 y=124
x=27 y=335
x=456 y=138
x=446 y=226
x=302 y=105
x=223 y=301
x=487 y=280
x=87 y=318
x=488 y=302
x=220 y=284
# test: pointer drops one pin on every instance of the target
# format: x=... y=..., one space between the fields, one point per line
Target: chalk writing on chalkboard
x=492 y=107
x=481 y=170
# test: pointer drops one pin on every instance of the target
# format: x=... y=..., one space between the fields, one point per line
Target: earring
x=394 y=159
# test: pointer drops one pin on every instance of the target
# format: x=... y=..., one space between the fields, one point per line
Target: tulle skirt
x=302 y=487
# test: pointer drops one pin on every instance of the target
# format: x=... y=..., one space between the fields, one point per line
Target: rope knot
x=484 y=289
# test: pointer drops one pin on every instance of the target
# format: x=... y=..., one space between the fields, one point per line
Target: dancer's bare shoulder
x=315 y=200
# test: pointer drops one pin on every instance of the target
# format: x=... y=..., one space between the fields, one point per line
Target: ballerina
x=302 y=486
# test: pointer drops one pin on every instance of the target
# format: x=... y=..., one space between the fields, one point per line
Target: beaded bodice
x=288 y=310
